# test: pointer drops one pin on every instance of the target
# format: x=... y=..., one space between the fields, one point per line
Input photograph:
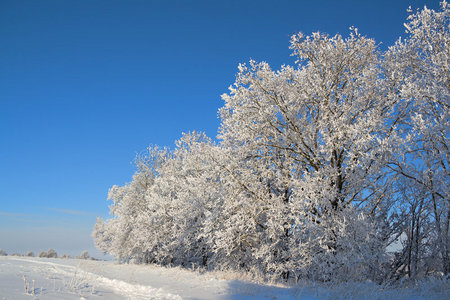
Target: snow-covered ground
x=86 y=279
x=45 y=278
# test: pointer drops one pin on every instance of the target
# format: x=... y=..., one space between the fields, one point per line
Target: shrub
x=52 y=253
x=49 y=254
x=84 y=255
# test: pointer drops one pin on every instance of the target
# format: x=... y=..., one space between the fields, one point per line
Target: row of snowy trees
x=50 y=253
x=320 y=170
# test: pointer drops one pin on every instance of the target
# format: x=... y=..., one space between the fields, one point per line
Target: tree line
x=336 y=168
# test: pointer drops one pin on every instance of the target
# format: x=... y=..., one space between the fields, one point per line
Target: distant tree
x=50 y=253
x=83 y=255
x=3 y=253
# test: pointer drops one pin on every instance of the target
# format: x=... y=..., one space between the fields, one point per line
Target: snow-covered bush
x=30 y=254
x=3 y=253
x=84 y=255
x=50 y=253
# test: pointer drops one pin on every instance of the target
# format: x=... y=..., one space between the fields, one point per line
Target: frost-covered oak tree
x=309 y=144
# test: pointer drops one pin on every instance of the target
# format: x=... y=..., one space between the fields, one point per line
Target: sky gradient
x=86 y=85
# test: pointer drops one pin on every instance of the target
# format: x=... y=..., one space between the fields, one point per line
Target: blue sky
x=85 y=85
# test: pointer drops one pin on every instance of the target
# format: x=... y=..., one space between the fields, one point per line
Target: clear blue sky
x=85 y=85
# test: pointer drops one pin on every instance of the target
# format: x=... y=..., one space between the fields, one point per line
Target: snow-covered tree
x=310 y=144
x=50 y=253
x=418 y=70
x=193 y=188
x=173 y=207
x=122 y=234
x=84 y=255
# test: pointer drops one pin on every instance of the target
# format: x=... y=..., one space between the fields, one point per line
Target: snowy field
x=84 y=279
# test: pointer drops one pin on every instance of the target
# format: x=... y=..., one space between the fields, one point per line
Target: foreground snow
x=81 y=279
x=84 y=279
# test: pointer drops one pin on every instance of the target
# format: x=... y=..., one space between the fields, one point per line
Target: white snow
x=86 y=279
x=56 y=279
